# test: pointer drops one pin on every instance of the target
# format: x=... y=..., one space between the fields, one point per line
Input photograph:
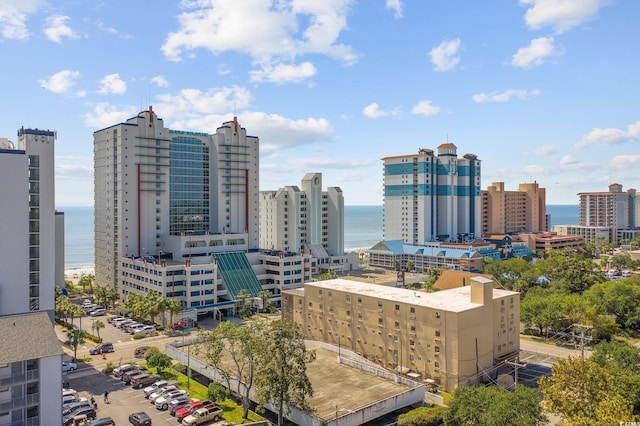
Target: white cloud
x=160 y=81
x=279 y=31
x=311 y=163
x=353 y=177
x=223 y=69
x=426 y=109
x=536 y=53
x=544 y=150
x=567 y=160
x=561 y=15
x=445 y=56
x=190 y=104
x=373 y=111
x=626 y=162
x=283 y=73
x=396 y=6
x=13 y=17
x=105 y=114
x=56 y=28
x=610 y=136
x=61 y=81
x=505 y=96
x=112 y=84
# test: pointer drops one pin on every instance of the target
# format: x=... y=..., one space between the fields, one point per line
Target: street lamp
x=188 y=363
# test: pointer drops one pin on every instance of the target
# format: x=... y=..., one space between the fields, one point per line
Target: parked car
x=98 y=312
x=124 y=323
x=73 y=406
x=140 y=419
x=117 y=322
x=102 y=348
x=140 y=351
x=146 y=380
x=162 y=403
x=160 y=392
x=127 y=376
x=203 y=415
x=146 y=329
x=178 y=403
x=188 y=409
x=122 y=369
x=180 y=324
x=112 y=318
x=68 y=366
x=104 y=421
x=85 y=412
x=161 y=384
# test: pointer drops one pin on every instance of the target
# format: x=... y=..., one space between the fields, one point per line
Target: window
x=379 y=303
x=396 y=324
x=413 y=327
x=379 y=320
x=359 y=299
x=395 y=338
x=397 y=307
x=348 y=297
x=412 y=310
x=436 y=364
x=437 y=333
x=348 y=313
x=436 y=349
x=437 y=315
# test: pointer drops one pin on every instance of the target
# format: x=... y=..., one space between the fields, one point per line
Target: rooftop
x=451 y=300
x=27 y=336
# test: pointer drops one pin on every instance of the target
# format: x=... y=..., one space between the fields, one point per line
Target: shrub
x=108 y=369
x=422 y=416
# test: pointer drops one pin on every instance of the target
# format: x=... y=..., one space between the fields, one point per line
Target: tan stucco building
x=513 y=212
x=453 y=337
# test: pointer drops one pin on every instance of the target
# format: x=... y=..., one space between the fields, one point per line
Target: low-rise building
x=547 y=241
x=452 y=337
x=396 y=254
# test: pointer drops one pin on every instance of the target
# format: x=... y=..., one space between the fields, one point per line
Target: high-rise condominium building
x=293 y=218
x=513 y=212
x=156 y=189
x=612 y=209
x=431 y=197
x=30 y=353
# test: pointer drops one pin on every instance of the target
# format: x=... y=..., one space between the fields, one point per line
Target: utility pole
x=515 y=364
x=582 y=338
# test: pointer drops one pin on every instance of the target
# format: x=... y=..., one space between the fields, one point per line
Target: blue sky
x=543 y=90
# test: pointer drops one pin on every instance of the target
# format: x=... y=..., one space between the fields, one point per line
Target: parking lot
x=123 y=399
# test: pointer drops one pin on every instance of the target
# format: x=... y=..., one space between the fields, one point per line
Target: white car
x=157 y=394
x=154 y=387
x=162 y=403
x=68 y=366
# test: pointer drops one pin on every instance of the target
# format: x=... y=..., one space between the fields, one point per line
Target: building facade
x=430 y=197
x=152 y=183
x=513 y=212
x=30 y=368
x=447 y=336
x=293 y=218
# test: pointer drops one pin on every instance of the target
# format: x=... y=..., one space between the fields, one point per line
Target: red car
x=179 y=325
x=191 y=407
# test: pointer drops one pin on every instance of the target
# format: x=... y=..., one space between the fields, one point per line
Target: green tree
x=540 y=309
x=242 y=344
x=212 y=346
x=329 y=275
x=422 y=416
x=493 y=406
x=283 y=379
x=583 y=393
x=217 y=392
x=622 y=361
x=265 y=295
x=174 y=306
x=76 y=337
x=242 y=297
x=151 y=352
x=97 y=325
x=618 y=298
x=86 y=279
x=410 y=265
x=159 y=360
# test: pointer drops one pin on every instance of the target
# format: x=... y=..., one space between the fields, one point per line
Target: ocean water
x=362 y=229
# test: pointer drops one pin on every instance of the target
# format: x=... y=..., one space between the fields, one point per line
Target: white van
x=98 y=312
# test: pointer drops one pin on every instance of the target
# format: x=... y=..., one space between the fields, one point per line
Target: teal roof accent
x=397 y=247
x=237 y=274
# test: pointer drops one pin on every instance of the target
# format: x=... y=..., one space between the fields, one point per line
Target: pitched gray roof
x=27 y=336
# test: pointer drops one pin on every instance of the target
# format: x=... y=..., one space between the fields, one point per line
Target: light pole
x=188 y=363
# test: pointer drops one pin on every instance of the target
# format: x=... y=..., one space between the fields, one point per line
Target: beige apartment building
x=451 y=337
x=513 y=212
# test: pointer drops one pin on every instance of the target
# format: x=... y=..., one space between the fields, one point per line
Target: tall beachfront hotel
x=32 y=263
x=430 y=197
x=177 y=214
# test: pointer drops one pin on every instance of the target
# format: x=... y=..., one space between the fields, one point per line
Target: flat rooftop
x=452 y=300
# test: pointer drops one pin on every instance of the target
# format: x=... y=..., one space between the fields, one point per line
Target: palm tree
x=152 y=305
x=97 y=325
x=174 y=306
x=265 y=295
x=76 y=337
x=84 y=280
x=112 y=296
x=242 y=297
